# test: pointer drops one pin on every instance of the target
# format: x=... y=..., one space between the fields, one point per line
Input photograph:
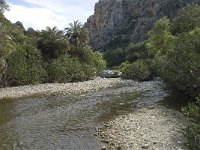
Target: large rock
x=117 y=21
x=110 y=74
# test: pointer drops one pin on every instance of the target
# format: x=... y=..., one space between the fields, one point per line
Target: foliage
x=176 y=58
x=68 y=69
x=3 y=6
x=136 y=51
x=115 y=57
x=98 y=62
x=123 y=67
x=78 y=38
x=184 y=64
x=193 y=132
x=139 y=70
x=160 y=40
x=187 y=20
x=52 y=43
x=25 y=67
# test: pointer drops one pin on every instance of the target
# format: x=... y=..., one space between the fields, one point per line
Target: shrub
x=24 y=67
x=138 y=70
x=193 y=132
x=98 y=62
x=136 y=51
x=115 y=57
x=70 y=69
x=123 y=66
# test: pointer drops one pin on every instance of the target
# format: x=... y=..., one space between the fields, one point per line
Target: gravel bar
x=60 y=88
x=155 y=128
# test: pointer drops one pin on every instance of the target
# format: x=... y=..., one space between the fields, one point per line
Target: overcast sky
x=41 y=13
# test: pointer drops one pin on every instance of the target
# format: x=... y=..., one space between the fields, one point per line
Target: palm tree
x=52 y=43
x=77 y=34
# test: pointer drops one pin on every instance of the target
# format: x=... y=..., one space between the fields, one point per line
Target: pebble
x=145 y=146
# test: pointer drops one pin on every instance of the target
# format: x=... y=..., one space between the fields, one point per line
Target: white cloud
x=50 y=12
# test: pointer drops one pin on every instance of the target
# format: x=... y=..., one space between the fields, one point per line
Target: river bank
x=155 y=128
x=61 y=88
x=149 y=126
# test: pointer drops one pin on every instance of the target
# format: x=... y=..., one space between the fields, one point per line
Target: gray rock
x=110 y=74
x=145 y=146
x=103 y=148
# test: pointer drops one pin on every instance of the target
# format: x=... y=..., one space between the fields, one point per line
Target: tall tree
x=52 y=43
x=77 y=34
x=78 y=38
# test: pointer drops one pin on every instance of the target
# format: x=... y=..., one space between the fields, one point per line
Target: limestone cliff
x=116 y=22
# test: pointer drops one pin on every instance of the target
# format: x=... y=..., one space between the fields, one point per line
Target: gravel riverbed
x=61 y=88
x=155 y=128
x=150 y=126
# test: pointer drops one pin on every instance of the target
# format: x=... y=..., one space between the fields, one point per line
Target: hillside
x=115 y=23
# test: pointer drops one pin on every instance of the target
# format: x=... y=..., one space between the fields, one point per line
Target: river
x=68 y=121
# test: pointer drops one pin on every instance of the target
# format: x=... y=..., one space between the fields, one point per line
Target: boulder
x=110 y=74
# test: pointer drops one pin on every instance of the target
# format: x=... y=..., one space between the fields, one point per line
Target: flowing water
x=65 y=122
x=68 y=122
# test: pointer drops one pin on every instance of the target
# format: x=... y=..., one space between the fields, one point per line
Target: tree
x=78 y=38
x=115 y=57
x=52 y=43
x=160 y=40
x=188 y=19
x=139 y=70
x=25 y=67
x=176 y=58
x=20 y=24
x=76 y=33
x=3 y=6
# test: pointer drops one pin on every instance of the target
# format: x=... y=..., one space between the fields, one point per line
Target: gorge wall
x=116 y=22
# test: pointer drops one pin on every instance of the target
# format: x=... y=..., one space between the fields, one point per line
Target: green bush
x=25 y=67
x=123 y=66
x=115 y=57
x=138 y=70
x=98 y=62
x=193 y=132
x=136 y=51
x=68 y=69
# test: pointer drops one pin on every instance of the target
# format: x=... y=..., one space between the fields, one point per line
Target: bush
x=136 y=51
x=115 y=57
x=123 y=66
x=24 y=67
x=138 y=70
x=68 y=69
x=193 y=132
x=98 y=62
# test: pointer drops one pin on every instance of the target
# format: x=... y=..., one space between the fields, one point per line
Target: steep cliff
x=117 y=22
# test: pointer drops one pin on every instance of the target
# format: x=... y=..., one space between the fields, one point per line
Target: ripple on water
x=60 y=122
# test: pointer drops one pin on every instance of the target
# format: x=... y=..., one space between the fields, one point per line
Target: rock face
x=122 y=21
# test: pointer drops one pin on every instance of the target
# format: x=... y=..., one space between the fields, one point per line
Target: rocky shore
x=150 y=126
x=61 y=88
x=155 y=128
